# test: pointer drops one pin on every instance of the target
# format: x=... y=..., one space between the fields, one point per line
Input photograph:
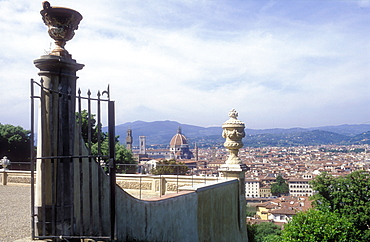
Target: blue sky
x=280 y=64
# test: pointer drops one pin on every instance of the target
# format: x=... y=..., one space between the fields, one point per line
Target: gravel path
x=15 y=207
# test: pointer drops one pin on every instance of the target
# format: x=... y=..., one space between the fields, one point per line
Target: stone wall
x=10 y=176
x=154 y=185
x=200 y=213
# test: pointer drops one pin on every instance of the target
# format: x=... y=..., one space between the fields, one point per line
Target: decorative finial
x=233 y=114
x=233 y=132
x=46 y=5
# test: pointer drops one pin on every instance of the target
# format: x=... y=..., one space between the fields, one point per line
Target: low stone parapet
x=144 y=186
x=10 y=176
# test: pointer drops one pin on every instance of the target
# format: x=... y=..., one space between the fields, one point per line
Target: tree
x=280 y=187
x=169 y=167
x=123 y=155
x=85 y=127
x=315 y=225
x=348 y=196
x=15 y=142
x=263 y=232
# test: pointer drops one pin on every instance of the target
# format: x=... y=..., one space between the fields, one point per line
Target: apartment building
x=300 y=187
x=252 y=188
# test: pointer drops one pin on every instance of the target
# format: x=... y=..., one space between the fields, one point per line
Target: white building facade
x=252 y=188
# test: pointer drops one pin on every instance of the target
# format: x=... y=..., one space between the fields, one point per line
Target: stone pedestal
x=233 y=132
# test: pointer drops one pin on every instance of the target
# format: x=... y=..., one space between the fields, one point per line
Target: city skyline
x=280 y=64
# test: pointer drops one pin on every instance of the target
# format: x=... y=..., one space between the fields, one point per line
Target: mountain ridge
x=159 y=134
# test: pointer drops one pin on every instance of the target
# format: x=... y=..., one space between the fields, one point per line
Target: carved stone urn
x=5 y=162
x=233 y=132
x=61 y=22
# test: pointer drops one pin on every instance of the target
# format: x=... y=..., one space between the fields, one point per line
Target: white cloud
x=364 y=3
x=192 y=61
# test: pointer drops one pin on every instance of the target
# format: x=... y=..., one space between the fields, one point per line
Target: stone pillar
x=233 y=132
x=56 y=134
x=4 y=177
x=4 y=162
x=56 y=126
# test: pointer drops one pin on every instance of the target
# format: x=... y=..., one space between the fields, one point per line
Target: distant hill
x=346 y=129
x=159 y=134
x=314 y=137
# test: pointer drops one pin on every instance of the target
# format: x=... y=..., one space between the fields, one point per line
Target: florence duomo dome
x=179 y=146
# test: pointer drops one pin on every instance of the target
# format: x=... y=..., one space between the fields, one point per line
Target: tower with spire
x=129 y=139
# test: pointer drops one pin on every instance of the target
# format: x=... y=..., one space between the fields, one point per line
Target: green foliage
x=341 y=213
x=263 y=232
x=349 y=196
x=123 y=156
x=280 y=187
x=315 y=225
x=85 y=120
x=15 y=142
x=169 y=167
x=272 y=238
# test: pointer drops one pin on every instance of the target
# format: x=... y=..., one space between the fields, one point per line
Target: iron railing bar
x=79 y=124
x=73 y=95
x=90 y=196
x=81 y=197
x=53 y=206
x=140 y=187
x=89 y=137
x=99 y=126
x=72 y=204
x=192 y=179
x=43 y=195
x=32 y=165
x=80 y=173
x=33 y=96
x=73 y=237
x=112 y=167
x=43 y=198
x=71 y=117
x=21 y=162
x=60 y=168
x=161 y=185
x=96 y=99
x=69 y=157
x=89 y=127
x=177 y=180
x=100 y=187
x=99 y=159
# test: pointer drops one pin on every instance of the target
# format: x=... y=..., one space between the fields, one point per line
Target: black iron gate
x=72 y=179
